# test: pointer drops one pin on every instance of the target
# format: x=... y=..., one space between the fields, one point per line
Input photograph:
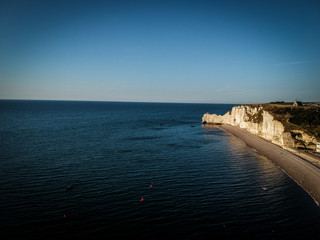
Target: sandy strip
x=304 y=173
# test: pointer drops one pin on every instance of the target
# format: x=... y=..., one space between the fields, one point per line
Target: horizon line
x=115 y=101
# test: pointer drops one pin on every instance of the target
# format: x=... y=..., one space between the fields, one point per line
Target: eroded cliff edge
x=287 y=126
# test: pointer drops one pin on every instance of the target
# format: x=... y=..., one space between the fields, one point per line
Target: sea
x=117 y=170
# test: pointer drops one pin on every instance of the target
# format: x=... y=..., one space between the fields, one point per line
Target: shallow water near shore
x=205 y=182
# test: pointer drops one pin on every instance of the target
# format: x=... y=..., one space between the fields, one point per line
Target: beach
x=296 y=167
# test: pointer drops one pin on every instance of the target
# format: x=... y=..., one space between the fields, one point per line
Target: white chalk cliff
x=261 y=123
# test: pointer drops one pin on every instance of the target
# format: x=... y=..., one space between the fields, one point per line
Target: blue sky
x=160 y=51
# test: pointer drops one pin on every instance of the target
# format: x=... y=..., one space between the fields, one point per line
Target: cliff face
x=257 y=120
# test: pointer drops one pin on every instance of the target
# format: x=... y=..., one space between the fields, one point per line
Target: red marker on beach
x=141 y=200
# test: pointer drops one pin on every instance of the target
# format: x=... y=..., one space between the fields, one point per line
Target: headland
x=270 y=130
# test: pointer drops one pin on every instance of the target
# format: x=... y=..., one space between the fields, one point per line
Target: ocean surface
x=196 y=181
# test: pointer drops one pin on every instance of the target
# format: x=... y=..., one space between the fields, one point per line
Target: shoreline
x=296 y=167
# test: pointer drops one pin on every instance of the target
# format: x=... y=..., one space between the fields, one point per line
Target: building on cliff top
x=297 y=103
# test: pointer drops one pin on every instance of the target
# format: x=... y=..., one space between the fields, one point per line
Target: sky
x=160 y=51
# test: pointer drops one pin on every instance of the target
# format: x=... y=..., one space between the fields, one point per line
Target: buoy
x=141 y=200
x=69 y=187
x=64 y=215
x=150 y=186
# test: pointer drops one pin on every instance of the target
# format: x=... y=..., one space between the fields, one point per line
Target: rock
x=260 y=122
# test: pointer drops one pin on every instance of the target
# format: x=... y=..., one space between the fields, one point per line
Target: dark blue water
x=205 y=182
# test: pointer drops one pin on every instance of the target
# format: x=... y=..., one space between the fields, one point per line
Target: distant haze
x=160 y=51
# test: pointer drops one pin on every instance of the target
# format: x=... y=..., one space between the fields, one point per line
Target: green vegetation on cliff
x=257 y=117
x=296 y=118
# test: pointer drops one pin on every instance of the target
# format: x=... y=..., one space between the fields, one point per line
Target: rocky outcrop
x=260 y=122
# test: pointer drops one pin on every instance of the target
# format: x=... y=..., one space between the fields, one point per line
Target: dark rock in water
x=69 y=187
x=161 y=124
x=192 y=126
